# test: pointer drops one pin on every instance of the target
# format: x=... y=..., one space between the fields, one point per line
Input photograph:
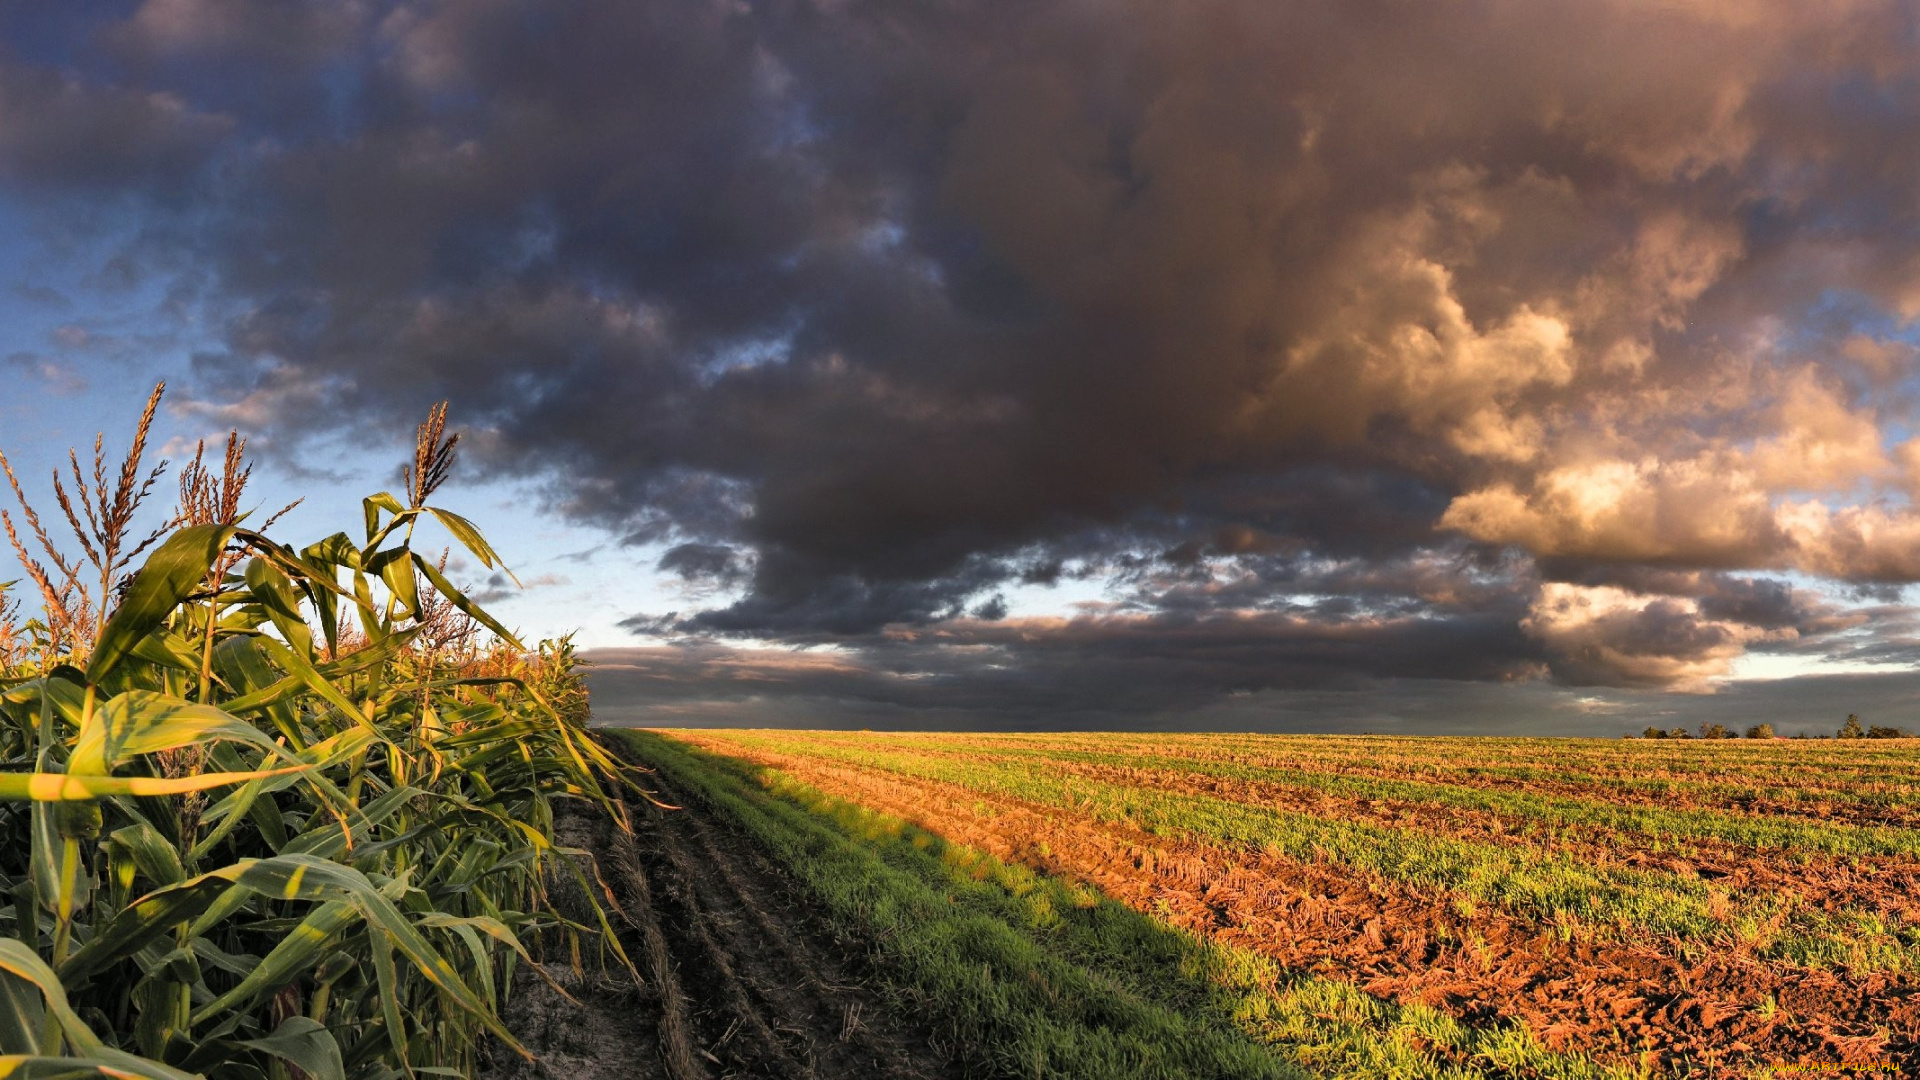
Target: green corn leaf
x=227 y=814
x=315 y=573
x=243 y=667
x=145 y=722
x=396 y=570
x=60 y=787
x=23 y=968
x=469 y=536
x=55 y=884
x=372 y=505
x=275 y=593
x=118 y=1067
x=476 y=951
x=373 y=656
x=296 y=663
x=306 y=1044
x=266 y=817
x=141 y=923
x=493 y=735
x=459 y=600
x=283 y=877
x=65 y=698
x=336 y=550
x=300 y=949
x=213 y=956
x=150 y=852
x=290 y=563
x=168 y=651
x=326 y=842
x=491 y=927
x=381 y=914
x=371 y=624
x=388 y=979
x=170 y=575
x=22 y=1014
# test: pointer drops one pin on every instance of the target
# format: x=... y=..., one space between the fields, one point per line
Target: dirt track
x=739 y=978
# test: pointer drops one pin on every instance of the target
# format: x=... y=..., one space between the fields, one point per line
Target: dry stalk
x=447 y=634
x=14 y=645
x=100 y=512
x=61 y=594
x=109 y=508
x=432 y=457
x=207 y=498
x=349 y=639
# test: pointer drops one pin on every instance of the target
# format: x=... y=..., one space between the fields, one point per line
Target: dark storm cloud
x=706 y=564
x=59 y=133
x=1314 y=324
x=1070 y=670
x=630 y=690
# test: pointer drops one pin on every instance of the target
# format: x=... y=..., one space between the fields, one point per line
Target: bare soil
x=738 y=976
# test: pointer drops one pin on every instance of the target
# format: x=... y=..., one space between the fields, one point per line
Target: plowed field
x=1378 y=906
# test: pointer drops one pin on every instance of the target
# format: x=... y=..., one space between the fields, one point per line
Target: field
x=279 y=812
x=1242 y=905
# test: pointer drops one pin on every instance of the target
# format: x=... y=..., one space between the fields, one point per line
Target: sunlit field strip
x=1725 y=780
x=1878 y=766
x=1823 y=880
x=1850 y=762
x=1801 y=777
x=1551 y=887
x=1821 y=920
x=1039 y=971
x=1784 y=833
x=1774 y=832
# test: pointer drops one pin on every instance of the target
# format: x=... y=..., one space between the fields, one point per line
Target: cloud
x=658 y=689
x=708 y=566
x=45 y=296
x=58 y=131
x=1125 y=665
x=1608 y=636
x=257 y=30
x=498 y=587
x=1315 y=326
x=53 y=376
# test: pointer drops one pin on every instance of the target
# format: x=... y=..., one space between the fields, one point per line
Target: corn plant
x=250 y=826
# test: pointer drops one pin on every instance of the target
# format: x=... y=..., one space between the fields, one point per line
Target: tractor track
x=739 y=978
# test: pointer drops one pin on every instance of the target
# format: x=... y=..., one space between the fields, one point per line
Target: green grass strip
x=1775 y=833
x=1731 y=772
x=1868 y=773
x=1041 y=977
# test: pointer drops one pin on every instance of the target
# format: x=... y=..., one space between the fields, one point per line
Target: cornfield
x=271 y=812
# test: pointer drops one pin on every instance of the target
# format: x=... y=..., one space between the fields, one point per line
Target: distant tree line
x=1852 y=729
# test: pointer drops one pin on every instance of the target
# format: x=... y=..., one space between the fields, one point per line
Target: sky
x=1359 y=365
